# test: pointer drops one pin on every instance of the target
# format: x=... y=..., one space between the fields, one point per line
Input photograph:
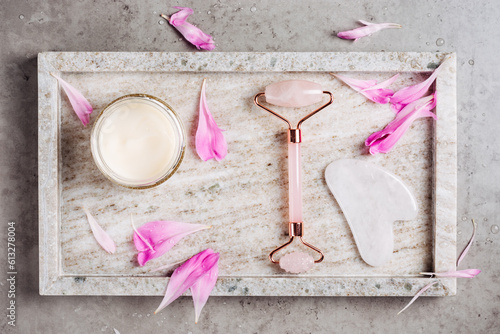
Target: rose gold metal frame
x=295 y=229
x=312 y=113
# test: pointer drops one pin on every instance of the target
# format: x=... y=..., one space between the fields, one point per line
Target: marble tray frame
x=52 y=282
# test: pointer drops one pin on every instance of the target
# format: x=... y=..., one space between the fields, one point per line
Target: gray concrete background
x=470 y=28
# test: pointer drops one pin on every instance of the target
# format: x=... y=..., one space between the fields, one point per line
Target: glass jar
x=138 y=141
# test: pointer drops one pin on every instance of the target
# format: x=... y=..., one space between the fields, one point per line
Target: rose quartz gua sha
x=294 y=93
x=371 y=199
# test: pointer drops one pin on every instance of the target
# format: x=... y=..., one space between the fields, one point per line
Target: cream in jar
x=138 y=141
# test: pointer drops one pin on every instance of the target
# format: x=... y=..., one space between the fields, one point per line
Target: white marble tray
x=244 y=197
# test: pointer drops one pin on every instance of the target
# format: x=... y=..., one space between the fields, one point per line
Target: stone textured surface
x=469 y=28
x=244 y=197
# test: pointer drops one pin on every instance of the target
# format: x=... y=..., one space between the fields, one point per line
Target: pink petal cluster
x=409 y=94
x=80 y=105
x=100 y=235
x=210 y=142
x=155 y=238
x=408 y=103
x=376 y=92
x=191 y=33
x=383 y=141
x=368 y=29
x=467 y=273
x=199 y=274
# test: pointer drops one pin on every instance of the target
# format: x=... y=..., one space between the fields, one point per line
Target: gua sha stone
x=294 y=93
x=371 y=199
x=296 y=262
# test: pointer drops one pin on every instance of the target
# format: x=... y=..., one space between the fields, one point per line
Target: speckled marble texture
x=244 y=197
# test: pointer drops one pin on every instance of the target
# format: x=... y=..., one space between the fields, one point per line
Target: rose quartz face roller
x=294 y=93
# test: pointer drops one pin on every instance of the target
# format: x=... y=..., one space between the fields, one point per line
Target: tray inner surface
x=245 y=196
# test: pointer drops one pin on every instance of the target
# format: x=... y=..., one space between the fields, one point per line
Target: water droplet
x=464 y=218
x=440 y=42
x=495 y=229
x=385 y=8
x=428 y=43
x=428 y=14
x=209 y=12
x=419 y=36
x=471 y=61
x=253 y=9
x=21 y=16
x=161 y=22
x=489 y=240
x=485 y=219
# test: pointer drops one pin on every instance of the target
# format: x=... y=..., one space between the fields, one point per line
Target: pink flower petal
x=467 y=273
x=100 y=235
x=181 y=16
x=144 y=240
x=367 y=30
x=421 y=291
x=466 y=249
x=376 y=92
x=210 y=142
x=191 y=33
x=80 y=105
x=187 y=275
x=409 y=94
x=161 y=236
x=202 y=288
x=383 y=141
